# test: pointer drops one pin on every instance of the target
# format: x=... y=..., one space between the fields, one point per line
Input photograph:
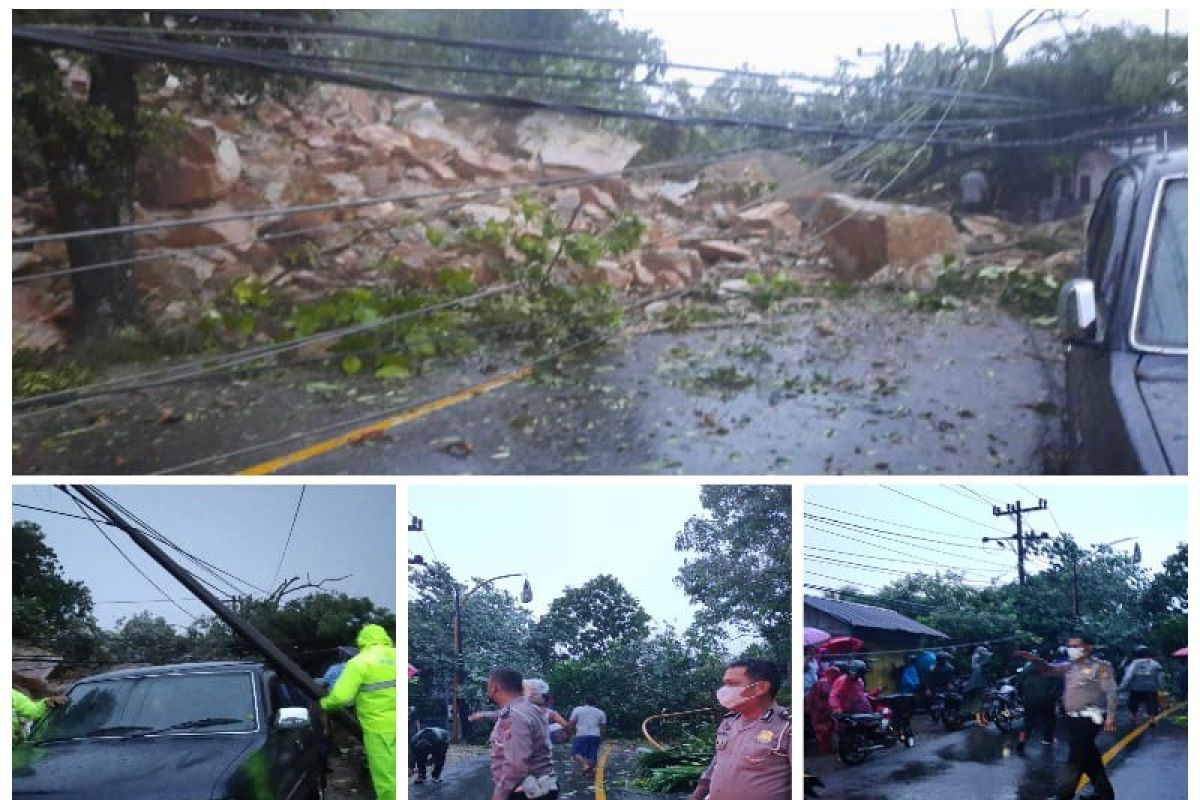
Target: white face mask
x=1076 y=653
x=731 y=696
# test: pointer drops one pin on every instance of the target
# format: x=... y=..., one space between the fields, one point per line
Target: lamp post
x=459 y=599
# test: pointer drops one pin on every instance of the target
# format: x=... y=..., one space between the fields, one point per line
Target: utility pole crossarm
x=1020 y=537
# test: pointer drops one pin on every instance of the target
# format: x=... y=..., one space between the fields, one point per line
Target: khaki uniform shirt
x=1088 y=683
x=753 y=759
x=518 y=747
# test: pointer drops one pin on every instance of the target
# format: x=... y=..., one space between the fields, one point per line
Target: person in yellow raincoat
x=369 y=681
x=24 y=708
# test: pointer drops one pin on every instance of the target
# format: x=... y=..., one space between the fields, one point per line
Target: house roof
x=864 y=616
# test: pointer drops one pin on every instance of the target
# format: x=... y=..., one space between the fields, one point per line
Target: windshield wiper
x=199 y=723
x=111 y=730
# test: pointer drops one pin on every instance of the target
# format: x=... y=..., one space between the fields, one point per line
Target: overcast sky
x=801 y=39
x=340 y=530
x=954 y=517
x=562 y=536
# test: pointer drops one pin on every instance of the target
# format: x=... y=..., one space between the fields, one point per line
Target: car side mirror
x=287 y=719
x=1077 y=316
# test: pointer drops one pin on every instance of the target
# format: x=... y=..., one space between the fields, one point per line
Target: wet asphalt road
x=471 y=779
x=984 y=764
x=861 y=386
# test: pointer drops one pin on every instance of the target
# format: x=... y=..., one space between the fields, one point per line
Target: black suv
x=1125 y=323
x=205 y=731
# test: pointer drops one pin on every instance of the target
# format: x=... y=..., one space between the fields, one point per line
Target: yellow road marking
x=600 y=762
x=1129 y=737
x=358 y=434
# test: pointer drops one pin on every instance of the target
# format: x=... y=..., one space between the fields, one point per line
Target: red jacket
x=849 y=696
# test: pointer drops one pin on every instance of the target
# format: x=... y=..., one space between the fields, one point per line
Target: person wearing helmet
x=973 y=690
x=369 y=681
x=942 y=673
x=1143 y=678
x=849 y=693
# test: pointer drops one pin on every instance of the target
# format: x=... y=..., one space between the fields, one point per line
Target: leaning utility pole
x=241 y=627
x=1020 y=537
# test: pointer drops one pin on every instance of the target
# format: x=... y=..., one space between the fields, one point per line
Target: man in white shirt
x=589 y=722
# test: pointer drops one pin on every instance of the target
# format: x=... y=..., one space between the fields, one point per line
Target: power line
x=883 y=521
x=872 y=568
x=291 y=530
x=894 y=561
x=865 y=528
x=59 y=513
x=128 y=560
x=983 y=497
x=939 y=508
x=924 y=549
x=525 y=49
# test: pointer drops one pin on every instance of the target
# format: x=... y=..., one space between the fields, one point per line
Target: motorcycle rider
x=849 y=693
x=942 y=673
x=819 y=710
x=910 y=678
x=973 y=690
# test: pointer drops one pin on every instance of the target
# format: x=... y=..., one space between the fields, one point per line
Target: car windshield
x=1162 y=315
x=155 y=704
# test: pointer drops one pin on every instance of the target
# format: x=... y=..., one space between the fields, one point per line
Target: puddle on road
x=980 y=747
x=918 y=770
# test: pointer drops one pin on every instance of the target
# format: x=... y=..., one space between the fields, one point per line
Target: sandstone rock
x=196 y=170
x=596 y=195
x=865 y=235
x=319 y=142
x=346 y=186
x=610 y=273
x=825 y=327
x=686 y=263
x=360 y=102
x=566 y=201
x=271 y=114
x=470 y=163
x=713 y=251
x=557 y=141
x=643 y=276
x=33 y=327
x=675 y=193
x=480 y=214
x=1063 y=263
x=985 y=227
x=176 y=277
x=736 y=286
x=375 y=180
x=232 y=232
x=775 y=217
x=670 y=280
x=376 y=211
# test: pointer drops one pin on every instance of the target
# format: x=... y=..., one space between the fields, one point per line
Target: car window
x=1162 y=310
x=180 y=703
x=1107 y=281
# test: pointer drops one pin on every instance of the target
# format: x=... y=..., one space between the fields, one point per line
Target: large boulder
x=558 y=142
x=686 y=263
x=33 y=321
x=863 y=236
x=194 y=170
x=714 y=250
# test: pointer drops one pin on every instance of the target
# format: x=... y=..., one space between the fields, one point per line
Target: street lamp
x=459 y=599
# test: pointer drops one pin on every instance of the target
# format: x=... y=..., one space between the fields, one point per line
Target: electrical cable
x=107 y=538
x=525 y=49
x=923 y=562
x=924 y=548
x=60 y=513
x=944 y=511
x=291 y=530
x=872 y=568
x=864 y=528
x=884 y=521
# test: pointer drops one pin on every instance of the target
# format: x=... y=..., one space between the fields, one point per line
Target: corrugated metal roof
x=860 y=615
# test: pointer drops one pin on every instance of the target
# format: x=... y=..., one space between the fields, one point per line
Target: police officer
x=369 y=681
x=521 y=766
x=25 y=709
x=1090 y=702
x=753 y=758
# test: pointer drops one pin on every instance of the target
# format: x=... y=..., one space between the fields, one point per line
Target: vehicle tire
x=851 y=751
x=318 y=790
x=1004 y=720
x=910 y=741
x=953 y=720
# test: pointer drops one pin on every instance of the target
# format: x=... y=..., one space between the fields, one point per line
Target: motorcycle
x=1002 y=706
x=890 y=724
x=945 y=706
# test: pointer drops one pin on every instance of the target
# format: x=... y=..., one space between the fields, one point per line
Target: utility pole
x=1020 y=537
x=241 y=627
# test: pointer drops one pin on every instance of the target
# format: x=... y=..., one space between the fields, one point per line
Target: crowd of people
x=1072 y=691
x=751 y=759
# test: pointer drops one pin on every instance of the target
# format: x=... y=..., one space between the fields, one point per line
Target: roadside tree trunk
x=89 y=147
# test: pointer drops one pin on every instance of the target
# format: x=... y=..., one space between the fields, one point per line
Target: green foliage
x=144 y=638
x=678 y=768
x=742 y=575
x=48 y=609
x=585 y=622
x=36 y=373
x=1030 y=292
x=767 y=291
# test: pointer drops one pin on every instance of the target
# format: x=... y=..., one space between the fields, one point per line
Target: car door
x=291 y=754
x=1096 y=439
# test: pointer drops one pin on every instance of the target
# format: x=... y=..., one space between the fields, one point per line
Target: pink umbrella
x=840 y=645
x=814 y=636
x=412 y=670
x=1180 y=653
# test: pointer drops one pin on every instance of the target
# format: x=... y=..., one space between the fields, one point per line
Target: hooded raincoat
x=22 y=709
x=369 y=681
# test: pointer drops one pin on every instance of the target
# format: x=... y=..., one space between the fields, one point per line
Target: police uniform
x=1089 y=696
x=753 y=758
x=521 y=764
